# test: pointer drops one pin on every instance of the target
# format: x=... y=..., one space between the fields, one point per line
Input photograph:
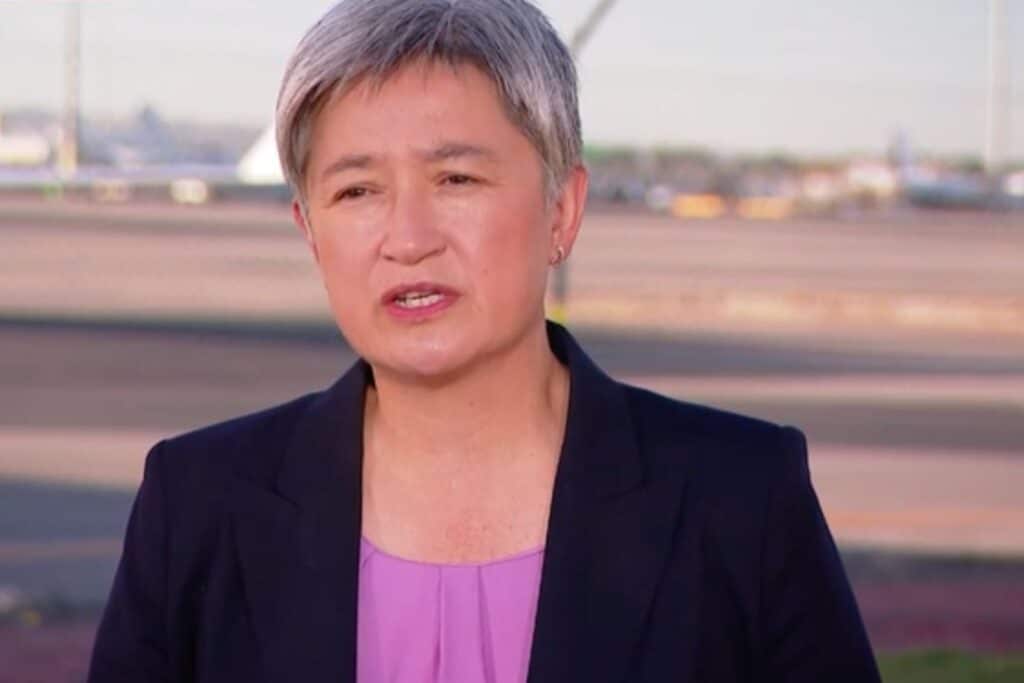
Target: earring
x=559 y=256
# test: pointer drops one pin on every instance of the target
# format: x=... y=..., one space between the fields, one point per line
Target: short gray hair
x=511 y=41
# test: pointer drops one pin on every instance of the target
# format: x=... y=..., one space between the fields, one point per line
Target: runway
x=123 y=325
x=910 y=272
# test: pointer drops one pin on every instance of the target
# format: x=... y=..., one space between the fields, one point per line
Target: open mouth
x=418 y=299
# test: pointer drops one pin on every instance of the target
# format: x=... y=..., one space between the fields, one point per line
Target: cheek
x=511 y=254
x=344 y=271
x=343 y=248
x=336 y=265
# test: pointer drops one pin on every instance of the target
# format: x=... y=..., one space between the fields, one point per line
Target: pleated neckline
x=372 y=549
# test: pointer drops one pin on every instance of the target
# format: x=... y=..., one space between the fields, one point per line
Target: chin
x=436 y=353
x=430 y=359
x=426 y=368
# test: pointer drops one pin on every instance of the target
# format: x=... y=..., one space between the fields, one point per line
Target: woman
x=474 y=500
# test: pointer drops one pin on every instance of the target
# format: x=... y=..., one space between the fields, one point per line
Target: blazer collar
x=608 y=536
x=598 y=446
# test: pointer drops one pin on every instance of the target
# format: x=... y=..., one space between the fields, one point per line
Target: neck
x=476 y=418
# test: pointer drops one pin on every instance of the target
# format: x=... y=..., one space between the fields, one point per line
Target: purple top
x=451 y=623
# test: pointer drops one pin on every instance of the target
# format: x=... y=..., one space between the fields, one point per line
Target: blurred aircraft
x=257 y=176
x=950 y=191
x=938 y=188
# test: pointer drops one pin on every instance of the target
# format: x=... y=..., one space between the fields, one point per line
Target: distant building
x=23 y=149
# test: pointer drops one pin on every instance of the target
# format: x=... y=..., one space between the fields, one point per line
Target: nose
x=412 y=233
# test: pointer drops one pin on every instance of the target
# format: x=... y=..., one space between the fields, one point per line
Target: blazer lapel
x=609 y=534
x=297 y=533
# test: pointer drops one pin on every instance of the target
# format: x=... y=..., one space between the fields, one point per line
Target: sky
x=817 y=77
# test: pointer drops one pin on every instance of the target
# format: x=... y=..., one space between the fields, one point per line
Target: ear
x=568 y=209
x=300 y=218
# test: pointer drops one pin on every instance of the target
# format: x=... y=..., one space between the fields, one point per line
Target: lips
x=418 y=298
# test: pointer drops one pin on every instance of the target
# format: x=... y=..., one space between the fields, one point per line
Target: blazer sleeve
x=131 y=642
x=811 y=625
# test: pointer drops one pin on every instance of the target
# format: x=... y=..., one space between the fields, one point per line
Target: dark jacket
x=684 y=544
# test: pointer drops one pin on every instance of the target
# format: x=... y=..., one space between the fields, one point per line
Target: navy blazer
x=683 y=544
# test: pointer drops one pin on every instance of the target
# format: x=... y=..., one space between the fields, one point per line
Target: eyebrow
x=443 y=152
x=347 y=162
x=455 y=150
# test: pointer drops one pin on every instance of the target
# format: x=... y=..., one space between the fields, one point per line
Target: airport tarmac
x=906 y=272
x=121 y=325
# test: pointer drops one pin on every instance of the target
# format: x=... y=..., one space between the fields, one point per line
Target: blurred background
x=812 y=212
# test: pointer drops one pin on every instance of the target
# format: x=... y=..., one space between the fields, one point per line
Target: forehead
x=420 y=99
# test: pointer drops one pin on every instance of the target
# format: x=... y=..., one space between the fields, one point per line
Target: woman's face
x=428 y=220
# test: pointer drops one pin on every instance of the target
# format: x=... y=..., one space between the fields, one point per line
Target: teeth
x=418 y=300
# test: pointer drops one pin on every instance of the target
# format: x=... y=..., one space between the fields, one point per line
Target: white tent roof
x=261 y=165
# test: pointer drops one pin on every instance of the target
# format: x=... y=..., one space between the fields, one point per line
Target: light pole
x=560 y=283
x=67 y=158
x=997 y=120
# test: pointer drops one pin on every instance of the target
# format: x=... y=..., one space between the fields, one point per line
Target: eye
x=350 y=193
x=459 y=179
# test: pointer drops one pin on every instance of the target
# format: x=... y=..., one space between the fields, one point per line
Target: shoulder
x=189 y=480
x=720 y=439
x=207 y=457
x=737 y=466
x=748 y=478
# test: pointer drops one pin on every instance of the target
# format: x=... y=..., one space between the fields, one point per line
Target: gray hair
x=511 y=41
